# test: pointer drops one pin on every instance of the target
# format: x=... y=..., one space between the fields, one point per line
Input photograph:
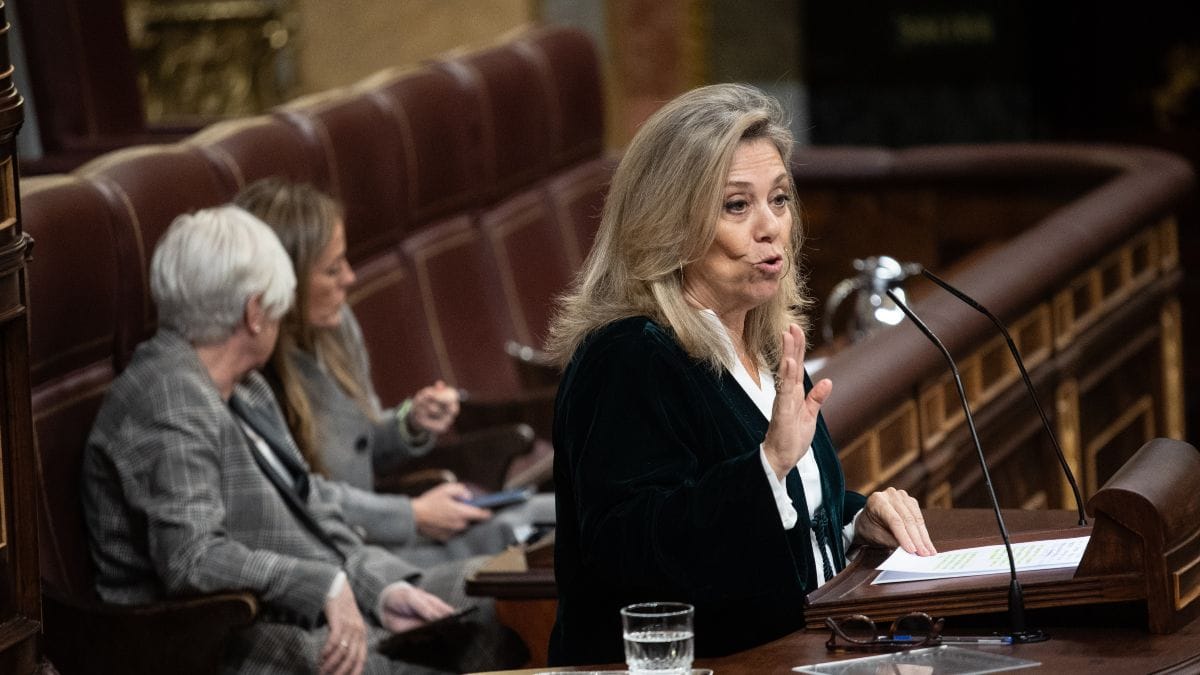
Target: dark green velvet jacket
x=661 y=495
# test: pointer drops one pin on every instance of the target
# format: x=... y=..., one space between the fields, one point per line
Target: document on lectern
x=968 y=562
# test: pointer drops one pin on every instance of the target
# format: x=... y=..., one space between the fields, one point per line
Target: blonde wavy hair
x=661 y=216
x=304 y=219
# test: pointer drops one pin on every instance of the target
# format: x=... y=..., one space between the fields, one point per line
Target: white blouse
x=763 y=396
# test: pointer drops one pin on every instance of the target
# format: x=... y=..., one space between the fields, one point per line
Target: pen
x=977 y=639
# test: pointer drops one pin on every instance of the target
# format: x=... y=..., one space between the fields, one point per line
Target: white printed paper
x=967 y=562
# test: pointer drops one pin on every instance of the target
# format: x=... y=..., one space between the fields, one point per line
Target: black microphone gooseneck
x=1012 y=348
x=1016 y=597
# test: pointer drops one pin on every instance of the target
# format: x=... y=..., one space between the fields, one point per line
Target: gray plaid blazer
x=176 y=505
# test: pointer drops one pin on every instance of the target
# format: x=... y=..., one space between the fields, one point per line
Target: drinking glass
x=658 y=638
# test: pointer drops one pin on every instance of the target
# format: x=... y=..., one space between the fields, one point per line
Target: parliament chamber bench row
x=473 y=186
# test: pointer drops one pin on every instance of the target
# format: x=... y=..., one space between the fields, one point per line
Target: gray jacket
x=354 y=446
x=176 y=505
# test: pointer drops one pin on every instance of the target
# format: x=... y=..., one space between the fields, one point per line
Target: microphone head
x=884 y=272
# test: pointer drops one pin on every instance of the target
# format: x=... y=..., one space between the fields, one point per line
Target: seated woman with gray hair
x=192 y=483
x=692 y=462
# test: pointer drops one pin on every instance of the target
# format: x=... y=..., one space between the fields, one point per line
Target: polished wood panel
x=1089 y=289
x=1079 y=643
x=20 y=604
x=1144 y=547
x=1090 y=642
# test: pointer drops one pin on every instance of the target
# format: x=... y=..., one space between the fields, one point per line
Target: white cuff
x=848 y=531
x=335 y=588
x=381 y=603
x=787 y=512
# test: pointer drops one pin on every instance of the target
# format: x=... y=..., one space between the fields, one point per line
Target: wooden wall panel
x=20 y=598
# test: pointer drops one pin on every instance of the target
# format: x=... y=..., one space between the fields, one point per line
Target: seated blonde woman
x=321 y=374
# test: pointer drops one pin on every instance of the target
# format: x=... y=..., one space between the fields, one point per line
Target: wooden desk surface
x=1079 y=647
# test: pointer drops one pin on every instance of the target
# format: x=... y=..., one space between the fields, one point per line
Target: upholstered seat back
x=77 y=299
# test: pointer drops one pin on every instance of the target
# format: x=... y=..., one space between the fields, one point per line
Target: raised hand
x=434 y=408
x=794 y=416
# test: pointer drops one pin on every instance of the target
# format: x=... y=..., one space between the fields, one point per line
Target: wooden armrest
x=535 y=370
x=540 y=555
x=176 y=636
x=534 y=469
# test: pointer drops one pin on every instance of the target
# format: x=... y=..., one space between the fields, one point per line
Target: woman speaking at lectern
x=692 y=463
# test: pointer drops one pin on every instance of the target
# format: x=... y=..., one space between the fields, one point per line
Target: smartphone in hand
x=497 y=500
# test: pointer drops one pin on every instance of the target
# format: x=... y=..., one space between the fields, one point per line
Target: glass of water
x=658 y=638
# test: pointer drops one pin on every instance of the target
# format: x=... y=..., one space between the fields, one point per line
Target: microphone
x=1016 y=597
x=1012 y=348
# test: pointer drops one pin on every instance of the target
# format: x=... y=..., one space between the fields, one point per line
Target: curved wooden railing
x=1073 y=246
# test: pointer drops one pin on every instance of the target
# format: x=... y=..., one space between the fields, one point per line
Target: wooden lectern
x=1145 y=546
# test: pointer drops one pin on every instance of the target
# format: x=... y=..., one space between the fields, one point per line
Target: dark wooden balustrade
x=1074 y=247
